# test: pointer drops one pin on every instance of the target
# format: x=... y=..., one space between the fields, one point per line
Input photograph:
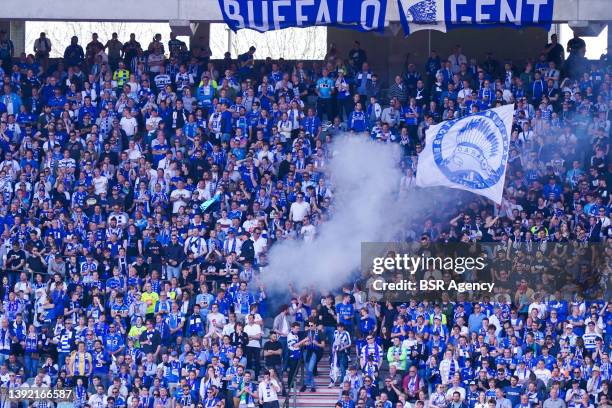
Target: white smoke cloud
x=366 y=177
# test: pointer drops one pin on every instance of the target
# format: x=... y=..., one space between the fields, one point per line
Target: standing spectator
x=357 y=56
x=42 y=49
x=130 y=48
x=456 y=59
x=268 y=390
x=73 y=55
x=114 y=48
x=324 y=90
x=7 y=50
x=312 y=347
x=273 y=353
x=92 y=49
x=177 y=48
x=398 y=91
x=253 y=348
x=554 y=51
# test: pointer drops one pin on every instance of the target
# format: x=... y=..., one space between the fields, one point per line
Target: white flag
x=417 y=15
x=470 y=153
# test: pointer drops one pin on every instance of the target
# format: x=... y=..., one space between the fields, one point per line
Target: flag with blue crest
x=417 y=15
x=445 y=15
x=469 y=153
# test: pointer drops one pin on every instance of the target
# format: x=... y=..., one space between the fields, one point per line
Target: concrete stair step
x=320 y=393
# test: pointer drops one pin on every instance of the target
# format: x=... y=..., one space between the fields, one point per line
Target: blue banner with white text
x=266 y=15
x=444 y=15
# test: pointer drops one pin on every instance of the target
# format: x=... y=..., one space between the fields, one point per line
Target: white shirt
x=129 y=126
x=153 y=122
x=253 y=330
x=542 y=374
x=452 y=390
x=100 y=184
x=249 y=225
x=299 y=211
x=285 y=128
x=308 y=232
x=464 y=92
x=134 y=154
x=154 y=62
x=259 y=245
x=229 y=328
x=180 y=195
x=541 y=307
x=215 y=319
x=97 y=401
x=456 y=61
x=267 y=391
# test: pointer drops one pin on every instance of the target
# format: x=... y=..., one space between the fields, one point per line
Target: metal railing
x=297 y=383
x=29 y=272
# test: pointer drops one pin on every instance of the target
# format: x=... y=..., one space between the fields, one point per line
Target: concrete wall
x=200 y=37
x=387 y=54
x=610 y=38
x=17 y=33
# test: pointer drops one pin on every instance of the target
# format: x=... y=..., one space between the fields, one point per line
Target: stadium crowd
x=141 y=189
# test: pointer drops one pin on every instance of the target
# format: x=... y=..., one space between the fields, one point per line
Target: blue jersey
x=101 y=361
x=242 y=302
x=341 y=339
x=325 y=87
x=66 y=341
x=196 y=324
x=366 y=325
x=311 y=125
x=31 y=343
x=513 y=394
x=373 y=351
x=357 y=121
x=294 y=350
x=345 y=313
x=113 y=342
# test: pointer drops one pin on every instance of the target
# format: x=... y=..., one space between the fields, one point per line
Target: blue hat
x=231 y=231
x=403 y=306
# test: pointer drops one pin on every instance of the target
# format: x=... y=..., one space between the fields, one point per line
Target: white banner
x=417 y=15
x=470 y=153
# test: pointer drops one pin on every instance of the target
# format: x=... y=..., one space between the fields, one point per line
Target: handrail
x=301 y=376
x=292 y=392
x=31 y=273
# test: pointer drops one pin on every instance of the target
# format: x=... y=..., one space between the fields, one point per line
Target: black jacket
x=247 y=251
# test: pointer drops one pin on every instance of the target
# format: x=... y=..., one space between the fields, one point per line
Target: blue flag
x=267 y=15
x=444 y=15
x=206 y=204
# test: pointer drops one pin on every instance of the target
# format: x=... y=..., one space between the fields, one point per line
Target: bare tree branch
x=292 y=43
